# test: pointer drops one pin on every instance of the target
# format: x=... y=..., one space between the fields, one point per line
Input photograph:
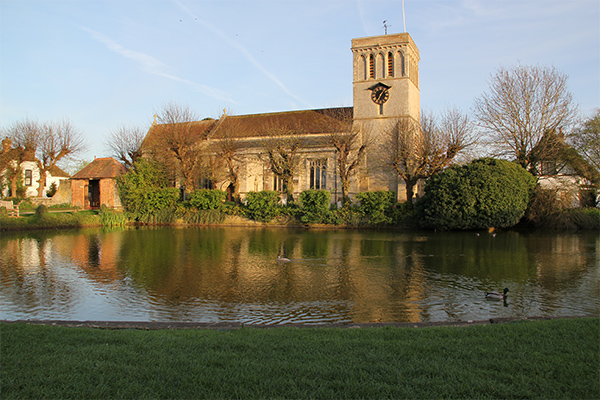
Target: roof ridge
x=291 y=112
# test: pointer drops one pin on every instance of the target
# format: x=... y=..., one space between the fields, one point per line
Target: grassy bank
x=529 y=359
x=570 y=220
x=51 y=220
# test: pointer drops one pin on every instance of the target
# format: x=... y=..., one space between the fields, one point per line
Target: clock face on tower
x=380 y=94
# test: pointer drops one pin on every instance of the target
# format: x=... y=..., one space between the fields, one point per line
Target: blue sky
x=107 y=63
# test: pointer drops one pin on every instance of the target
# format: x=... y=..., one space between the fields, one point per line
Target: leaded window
x=318 y=174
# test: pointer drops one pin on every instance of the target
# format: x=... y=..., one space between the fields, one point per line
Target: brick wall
x=107 y=192
x=80 y=195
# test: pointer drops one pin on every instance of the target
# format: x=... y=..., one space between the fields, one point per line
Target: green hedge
x=482 y=194
x=145 y=193
x=263 y=205
x=206 y=199
x=377 y=205
x=314 y=205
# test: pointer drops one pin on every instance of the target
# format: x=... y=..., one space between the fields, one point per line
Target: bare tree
x=20 y=139
x=227 y=149
x=419 y=151
x=125 y=144
x=179 y=139
x=350 y=150
x=282 y=152
x=524 y=103
x=210 y=167
x=350 y=146
x=10 y=162
x=404 y=151
x=586 y=139
x=49 y=143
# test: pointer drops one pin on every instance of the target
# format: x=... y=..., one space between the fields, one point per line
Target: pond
x=228 y=274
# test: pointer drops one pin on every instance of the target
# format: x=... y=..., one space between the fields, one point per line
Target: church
x=342 y=150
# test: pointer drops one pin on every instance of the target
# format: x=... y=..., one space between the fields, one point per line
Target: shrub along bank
x=486 y=193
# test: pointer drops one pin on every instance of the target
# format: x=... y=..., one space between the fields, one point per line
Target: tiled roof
x=304 y=122
x=101 y=168
x=559 y=150
x=299 y=122
x=195 y=130
x=58 y=173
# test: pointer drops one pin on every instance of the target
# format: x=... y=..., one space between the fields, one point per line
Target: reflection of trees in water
x=561 y=258
x=370 y=275
x=29 y=275
x=562 y=263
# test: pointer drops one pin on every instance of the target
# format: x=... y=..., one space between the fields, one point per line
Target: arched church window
x=318 y=174
x=390 y=64
x=278 y=184
x=205 y=183
x=402 y=64
x=363 y=68
x=380 y=62
x=371 y=66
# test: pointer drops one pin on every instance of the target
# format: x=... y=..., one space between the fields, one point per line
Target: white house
x=29 y=172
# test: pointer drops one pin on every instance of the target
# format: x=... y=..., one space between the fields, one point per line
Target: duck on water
x=497 y=295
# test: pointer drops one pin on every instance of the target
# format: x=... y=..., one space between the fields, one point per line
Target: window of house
x=371 y=66
x=28 y=177
x=390 y=64
x=318 y=174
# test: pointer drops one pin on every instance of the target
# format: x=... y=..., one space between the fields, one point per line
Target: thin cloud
x=153 y=66
x=363 y=17
x=242 y=50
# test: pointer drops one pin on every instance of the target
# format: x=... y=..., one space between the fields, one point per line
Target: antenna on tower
x=403 y=16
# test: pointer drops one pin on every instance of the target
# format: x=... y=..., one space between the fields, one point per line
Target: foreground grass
x=533 y=359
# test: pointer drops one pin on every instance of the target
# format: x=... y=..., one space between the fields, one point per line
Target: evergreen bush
x=145 y=193
x=52 y=190
x=263 y=205
x=314 y=205
x=377 y=205
x=482 y=194
x=41 y=211
x=207 y=199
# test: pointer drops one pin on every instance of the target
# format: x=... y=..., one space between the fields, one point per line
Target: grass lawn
x=61 y=219
x=528 y=359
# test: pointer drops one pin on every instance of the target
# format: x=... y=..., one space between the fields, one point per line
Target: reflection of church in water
x=385 y=89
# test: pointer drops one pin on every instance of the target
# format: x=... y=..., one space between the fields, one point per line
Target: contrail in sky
x=242 y=50
x=154 y=66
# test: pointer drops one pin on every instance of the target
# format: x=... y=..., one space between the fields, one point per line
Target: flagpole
x=403 y=16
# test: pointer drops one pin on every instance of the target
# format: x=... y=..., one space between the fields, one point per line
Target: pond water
x=233 y=275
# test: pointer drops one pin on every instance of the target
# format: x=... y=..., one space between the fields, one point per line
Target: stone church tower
x=386 y=90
